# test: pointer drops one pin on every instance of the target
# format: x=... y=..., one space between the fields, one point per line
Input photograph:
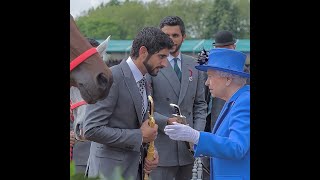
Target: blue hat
x=226 y=60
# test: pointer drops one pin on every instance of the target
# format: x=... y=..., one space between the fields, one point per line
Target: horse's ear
x=102 y=48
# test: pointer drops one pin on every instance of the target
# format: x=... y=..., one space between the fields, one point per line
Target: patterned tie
x=142 y=84
x=177 y=69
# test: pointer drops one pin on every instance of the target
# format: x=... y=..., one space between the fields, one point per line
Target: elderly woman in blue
x=228 y=145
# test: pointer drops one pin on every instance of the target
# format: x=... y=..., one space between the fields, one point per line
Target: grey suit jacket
x=113 y=127
x=189 y=95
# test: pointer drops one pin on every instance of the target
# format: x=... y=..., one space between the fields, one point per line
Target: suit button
x=189 y=113
x=168 y=99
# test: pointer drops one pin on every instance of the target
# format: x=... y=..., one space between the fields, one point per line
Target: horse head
x=91 y=76
x=77 y=105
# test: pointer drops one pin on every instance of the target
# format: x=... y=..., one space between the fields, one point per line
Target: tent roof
x=190 y=45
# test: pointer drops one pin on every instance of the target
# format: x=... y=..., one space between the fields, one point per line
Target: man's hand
x=151 y=165
x=181 y=132
x=148 y=133
x=171 y=120
x=180 y=119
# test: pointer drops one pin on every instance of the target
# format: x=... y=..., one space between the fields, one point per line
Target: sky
x=78 y=6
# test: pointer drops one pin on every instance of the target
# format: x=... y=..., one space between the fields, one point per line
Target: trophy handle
x=176 y=108
x=151 y=105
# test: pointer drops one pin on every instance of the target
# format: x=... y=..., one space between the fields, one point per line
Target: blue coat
x=228 y=146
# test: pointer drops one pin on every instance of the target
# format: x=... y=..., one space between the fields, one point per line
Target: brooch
x=203 y=57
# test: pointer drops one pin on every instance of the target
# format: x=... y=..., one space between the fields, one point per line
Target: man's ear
x=184 y=37
x=143 y=52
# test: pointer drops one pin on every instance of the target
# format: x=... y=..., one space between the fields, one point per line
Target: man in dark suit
x=184 y=86
x=118 y=125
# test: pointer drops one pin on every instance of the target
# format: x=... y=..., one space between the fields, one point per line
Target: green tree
x=244 y=28
x=113 y=3
x=224 y=15
x=123 y=19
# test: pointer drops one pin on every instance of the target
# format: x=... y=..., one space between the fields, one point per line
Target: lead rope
x=72 y=107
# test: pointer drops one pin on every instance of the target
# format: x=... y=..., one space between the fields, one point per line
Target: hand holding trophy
x=182 y=120
x=197 y=166
x=152 y=122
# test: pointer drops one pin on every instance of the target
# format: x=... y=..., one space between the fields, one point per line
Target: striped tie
x=177 y=69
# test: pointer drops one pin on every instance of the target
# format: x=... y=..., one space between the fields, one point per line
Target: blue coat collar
x=240 y=91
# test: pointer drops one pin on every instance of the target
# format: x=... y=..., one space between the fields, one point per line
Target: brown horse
x=92 y=76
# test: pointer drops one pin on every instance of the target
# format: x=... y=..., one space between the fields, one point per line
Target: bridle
x=82 y=57
x=73 y=64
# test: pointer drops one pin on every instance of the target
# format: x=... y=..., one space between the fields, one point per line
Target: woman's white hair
x=236 y=78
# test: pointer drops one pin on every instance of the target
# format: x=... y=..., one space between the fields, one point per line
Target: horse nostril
x=102 y=80
x=104 y=83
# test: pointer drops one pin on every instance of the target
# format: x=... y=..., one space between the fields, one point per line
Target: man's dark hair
x=153 y=39
x=93 y=42
x=173 y=21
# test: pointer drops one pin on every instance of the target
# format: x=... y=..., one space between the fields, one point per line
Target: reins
x=72 y=107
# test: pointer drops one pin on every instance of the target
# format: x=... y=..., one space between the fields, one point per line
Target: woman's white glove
x=181 y=132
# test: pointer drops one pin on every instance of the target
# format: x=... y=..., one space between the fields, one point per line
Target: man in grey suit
x=118 y=125
x=184 y=87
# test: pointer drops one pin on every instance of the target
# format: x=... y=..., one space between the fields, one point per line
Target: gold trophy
x=151 y=123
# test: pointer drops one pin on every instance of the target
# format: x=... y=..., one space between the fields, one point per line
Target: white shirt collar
x=170 y=57
x=134 y=69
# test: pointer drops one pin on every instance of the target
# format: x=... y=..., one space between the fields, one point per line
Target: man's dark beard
x=177 y=49
x=149 y=67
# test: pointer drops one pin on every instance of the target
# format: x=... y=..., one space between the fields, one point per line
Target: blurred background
x=122 y=19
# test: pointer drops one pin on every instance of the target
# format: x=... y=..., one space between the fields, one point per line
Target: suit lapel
x=132 y=88
x=185 y=65
x=172 y=77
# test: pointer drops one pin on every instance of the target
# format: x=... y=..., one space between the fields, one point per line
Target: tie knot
x=175 y=60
